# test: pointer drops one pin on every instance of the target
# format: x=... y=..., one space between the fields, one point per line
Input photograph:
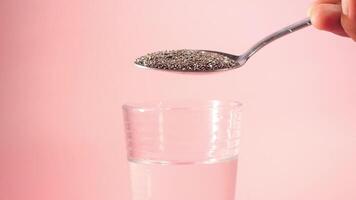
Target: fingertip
x=313 y=16
x=326 y=16
x=310 y=11
x=318 y=17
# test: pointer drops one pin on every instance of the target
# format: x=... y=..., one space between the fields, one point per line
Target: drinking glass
x=183 y=150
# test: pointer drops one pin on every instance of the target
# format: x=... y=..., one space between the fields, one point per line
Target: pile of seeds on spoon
x=186 y=60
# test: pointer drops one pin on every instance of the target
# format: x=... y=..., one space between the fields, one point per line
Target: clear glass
x=183 y=150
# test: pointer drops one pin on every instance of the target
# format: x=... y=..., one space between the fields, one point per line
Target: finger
x=348 y=19
x=327 y=2
x=327 y=17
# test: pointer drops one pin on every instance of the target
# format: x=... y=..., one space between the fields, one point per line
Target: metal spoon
x=242 y=59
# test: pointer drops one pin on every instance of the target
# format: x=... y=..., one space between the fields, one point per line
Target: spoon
x=240 y=60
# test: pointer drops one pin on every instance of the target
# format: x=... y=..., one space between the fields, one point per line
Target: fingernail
x=345 y=7
x=310 y=10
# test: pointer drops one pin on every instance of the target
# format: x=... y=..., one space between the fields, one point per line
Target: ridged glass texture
x=183 y=132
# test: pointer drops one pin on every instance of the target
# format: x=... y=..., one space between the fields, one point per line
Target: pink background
x=66 y=69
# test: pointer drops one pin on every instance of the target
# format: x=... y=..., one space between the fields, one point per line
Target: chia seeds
x=186 y=60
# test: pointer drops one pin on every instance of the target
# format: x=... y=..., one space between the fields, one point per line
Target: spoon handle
x=270 y=38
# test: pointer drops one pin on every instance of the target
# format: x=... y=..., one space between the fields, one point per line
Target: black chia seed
x=186 y=60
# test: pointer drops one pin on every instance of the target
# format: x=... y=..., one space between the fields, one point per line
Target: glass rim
x=180 y=104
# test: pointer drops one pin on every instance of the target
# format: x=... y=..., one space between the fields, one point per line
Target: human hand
x=336 y=16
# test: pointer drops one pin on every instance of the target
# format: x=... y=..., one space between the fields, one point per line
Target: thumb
x=348 y=18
